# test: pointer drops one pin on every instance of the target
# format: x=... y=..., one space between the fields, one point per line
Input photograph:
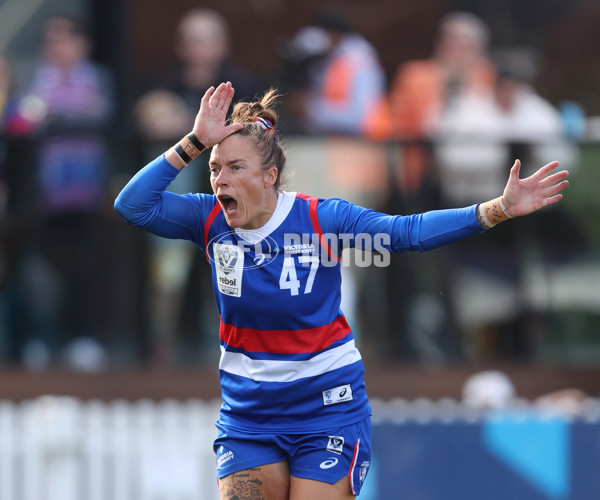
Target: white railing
x=60 y=448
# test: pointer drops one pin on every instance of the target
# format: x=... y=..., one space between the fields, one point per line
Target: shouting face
x=242 y=184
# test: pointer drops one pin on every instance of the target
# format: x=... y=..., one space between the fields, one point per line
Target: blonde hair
x=266 y=140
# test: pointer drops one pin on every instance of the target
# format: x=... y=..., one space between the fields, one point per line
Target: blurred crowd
x=78 y=288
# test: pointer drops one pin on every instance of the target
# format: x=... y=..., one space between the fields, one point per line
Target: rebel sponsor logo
x=226 y=281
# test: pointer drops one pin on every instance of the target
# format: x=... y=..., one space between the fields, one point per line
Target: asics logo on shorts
x=329 y=463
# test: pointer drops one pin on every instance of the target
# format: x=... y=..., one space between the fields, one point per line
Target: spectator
x=478 y=128
x=422 y=88
x=344 y=91
x=204 y=58
x=16 y=199
x=162 y=114
x=475 y=135
x=74 y=97
x=511 y=111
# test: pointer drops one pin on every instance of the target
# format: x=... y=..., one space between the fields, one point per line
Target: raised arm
x=144 y=201
x=524 y=196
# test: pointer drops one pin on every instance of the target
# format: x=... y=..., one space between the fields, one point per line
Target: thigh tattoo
x=241 y=486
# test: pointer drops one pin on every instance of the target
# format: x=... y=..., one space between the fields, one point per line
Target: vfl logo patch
x=336 y=395
x=227 y=258
x=335 y=444
x=229 y=266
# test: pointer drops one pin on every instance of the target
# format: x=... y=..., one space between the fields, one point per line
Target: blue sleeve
x=411 y=232
x=144 y=202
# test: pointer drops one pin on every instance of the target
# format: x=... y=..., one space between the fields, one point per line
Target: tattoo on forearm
x=191 y=150
x=490 y=213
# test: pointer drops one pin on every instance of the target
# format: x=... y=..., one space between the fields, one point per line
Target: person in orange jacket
x=421 y=88
x=346 y=84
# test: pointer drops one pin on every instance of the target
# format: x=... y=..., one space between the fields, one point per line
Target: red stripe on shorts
x=353 y=464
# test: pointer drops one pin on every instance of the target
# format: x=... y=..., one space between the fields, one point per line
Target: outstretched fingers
x=549 y=191
x=552 y=199
x=545 y=170
x=554 y=178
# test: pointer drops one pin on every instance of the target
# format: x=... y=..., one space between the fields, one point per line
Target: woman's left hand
x=524 y=196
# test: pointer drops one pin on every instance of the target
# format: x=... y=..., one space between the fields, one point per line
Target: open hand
x=209 y=126
x=524 y=196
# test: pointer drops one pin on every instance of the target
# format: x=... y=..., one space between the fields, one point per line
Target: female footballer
x=295 y=419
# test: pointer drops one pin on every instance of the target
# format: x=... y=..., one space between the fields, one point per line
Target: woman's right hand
x=209 y=126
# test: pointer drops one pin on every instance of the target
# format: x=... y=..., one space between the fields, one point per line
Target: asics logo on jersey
x=259 y=259
x=336 y=395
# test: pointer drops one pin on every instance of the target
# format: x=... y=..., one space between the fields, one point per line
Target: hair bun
x=263 y=108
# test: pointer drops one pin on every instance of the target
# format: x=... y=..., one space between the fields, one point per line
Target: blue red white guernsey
x=289 y=362
x=288 y=357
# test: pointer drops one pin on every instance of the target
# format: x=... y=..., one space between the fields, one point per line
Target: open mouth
x=228 y=203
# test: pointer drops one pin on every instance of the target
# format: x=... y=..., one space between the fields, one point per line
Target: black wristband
x=182 y=154
x=196 y=142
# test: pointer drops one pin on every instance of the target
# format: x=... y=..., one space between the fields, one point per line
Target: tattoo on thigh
x=239 y=486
